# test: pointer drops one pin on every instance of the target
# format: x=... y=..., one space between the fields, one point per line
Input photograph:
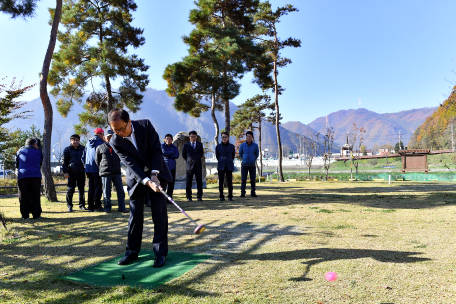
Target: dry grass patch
x=388 y=244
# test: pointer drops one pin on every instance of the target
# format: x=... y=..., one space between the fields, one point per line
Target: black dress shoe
x=242 y=195
x=126 y=260
x=189 y=199
x=253 y=195
x=199 y=199
x=159 y=262
x=222 y=199
x=99 y=209
x=123 y=211
x=230 y=199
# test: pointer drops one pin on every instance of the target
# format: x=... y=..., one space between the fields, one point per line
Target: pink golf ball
x=330 y=276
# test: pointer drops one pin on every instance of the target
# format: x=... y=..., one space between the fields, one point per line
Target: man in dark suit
x=225 y=154
x=193 y=152
x=138 y=146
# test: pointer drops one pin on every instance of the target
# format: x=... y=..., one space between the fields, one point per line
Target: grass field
x=388 y=244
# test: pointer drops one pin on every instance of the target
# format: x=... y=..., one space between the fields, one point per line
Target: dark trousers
x=170 y=186
x=29 y=196
x=79 y=180
x=198 y=173
x=229 y=180
x=95 y=191
x=251 y=170
x=136 y=222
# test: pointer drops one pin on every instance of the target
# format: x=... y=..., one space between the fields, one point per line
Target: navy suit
x=140 y=162
x=194 y=167
x=225 y=156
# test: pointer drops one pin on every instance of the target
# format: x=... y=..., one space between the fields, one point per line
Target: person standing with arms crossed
x=171 y=153
x=193 y=152
x=225 y=154
x=248 y=152
x=138 y=146
x=73 y=170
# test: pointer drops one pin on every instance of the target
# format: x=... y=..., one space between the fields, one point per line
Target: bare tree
x=328 y=139
x=356 y=139
x=311 y=145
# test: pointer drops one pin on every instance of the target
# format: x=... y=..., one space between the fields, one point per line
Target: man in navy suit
x=225 y=154
x=193 y=152
x=138 y=146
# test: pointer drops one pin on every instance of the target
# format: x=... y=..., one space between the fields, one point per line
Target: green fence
x=416 y=177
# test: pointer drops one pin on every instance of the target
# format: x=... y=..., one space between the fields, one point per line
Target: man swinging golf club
x=138 y=146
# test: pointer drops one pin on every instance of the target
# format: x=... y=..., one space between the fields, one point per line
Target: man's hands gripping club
x=154 y=183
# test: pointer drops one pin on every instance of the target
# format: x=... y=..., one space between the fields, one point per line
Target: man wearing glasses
x=225 y=154
x=193 y=152
x=138 y=146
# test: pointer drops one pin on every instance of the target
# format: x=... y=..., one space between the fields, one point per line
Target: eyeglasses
x=121 y=129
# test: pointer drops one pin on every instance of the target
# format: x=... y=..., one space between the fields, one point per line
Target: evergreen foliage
x=9 y=106
x=221 y=50
x=94 y=49
x=18 y=8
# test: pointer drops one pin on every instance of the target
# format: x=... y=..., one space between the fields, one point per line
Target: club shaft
x=177 y=206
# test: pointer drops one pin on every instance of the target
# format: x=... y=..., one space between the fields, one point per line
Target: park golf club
x=199 y=228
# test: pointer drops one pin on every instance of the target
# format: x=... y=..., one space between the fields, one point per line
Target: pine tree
x=222 y=46
x=26 y=8
x=267 y=21
x=94 y=48
x=18 y=8
x=249 y=116
x=9 y=107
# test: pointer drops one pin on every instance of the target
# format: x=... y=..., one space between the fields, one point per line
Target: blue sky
x=394 y=55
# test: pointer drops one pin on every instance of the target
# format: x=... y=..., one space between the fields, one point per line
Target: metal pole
x=389 y=179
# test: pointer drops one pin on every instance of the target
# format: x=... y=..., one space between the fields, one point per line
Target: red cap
x=98 y=131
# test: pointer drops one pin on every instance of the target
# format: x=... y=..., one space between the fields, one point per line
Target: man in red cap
x=92 y=172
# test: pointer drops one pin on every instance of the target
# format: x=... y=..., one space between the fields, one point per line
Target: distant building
x=266 y=153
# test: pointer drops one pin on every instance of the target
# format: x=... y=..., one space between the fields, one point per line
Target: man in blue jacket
x=170 y=153
x=225 y=154
x=92 y=171
x=248 y=152
x=28 y=163
x=73 y=169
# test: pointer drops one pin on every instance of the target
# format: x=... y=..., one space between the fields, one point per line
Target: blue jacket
x=28 y=162
x=171 y=153
x=249 y=153
x=90 y=153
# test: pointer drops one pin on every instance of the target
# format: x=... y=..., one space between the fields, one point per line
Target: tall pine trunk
x=277 y=122
x=109 y=93
x=49 y=188
x=259 y=146
x=214 y=119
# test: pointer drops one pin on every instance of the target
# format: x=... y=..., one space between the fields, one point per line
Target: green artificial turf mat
x=140 y=273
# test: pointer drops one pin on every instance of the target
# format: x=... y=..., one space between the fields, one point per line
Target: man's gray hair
x=30 y=141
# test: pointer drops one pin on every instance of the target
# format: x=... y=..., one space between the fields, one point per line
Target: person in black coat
x=109 y=170
x=225 y=154
x=138 y=146
x=74 y=171
x=193 y=152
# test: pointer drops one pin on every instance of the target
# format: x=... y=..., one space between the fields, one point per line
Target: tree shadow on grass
x=320 y=255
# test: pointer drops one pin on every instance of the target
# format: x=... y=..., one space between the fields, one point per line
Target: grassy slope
x=387 y=244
